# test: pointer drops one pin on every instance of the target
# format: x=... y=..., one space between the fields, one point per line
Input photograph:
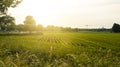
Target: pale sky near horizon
x=69 y=13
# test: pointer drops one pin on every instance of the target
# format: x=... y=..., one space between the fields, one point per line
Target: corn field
x=65 y=49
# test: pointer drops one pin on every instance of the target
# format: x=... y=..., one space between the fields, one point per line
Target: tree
x=30 y=23
x=39 y=27
x=7 y=23
x=5 y=4
x=20 y=27
x=116 y=28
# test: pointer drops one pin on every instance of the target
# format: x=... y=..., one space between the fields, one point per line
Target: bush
x=116 y=28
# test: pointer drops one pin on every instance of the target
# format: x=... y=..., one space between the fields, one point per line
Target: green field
x=70 y=49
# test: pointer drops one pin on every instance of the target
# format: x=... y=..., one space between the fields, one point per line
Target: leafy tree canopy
x=5 y=4
x=29 y=20
x=30 y=23
x=7 y=22
x=116 y=28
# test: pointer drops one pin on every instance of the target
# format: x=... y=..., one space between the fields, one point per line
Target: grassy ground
x=70 y=49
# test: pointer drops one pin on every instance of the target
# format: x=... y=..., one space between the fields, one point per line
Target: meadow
x=65 y=49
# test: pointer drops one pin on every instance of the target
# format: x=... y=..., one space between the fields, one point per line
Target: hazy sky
x=69 y=13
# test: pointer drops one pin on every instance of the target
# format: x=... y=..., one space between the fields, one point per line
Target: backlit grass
x=88 y=49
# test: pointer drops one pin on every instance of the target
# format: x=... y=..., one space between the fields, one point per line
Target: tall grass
x=60 y=50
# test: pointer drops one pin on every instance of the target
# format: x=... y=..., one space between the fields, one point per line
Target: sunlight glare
x=45 y=10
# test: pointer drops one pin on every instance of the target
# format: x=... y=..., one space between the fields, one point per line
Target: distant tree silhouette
x=7 y=23
x=39 y=27
x=20 y=27
x=116 y=28
x=30 y=23
x=50 y=28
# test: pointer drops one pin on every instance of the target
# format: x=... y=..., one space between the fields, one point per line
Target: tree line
x=7 y=23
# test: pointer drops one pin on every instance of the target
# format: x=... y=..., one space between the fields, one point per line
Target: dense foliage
x=116 y=28
x=29 y=23
x=5 y=4
x=7 y=23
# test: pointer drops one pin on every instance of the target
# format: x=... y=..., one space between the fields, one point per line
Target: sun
x=43 y=11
